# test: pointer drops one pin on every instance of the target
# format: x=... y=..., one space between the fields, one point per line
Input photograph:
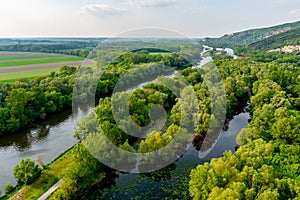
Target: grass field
x=36 y=62
x=29 y=56
x=13 y=76
x=160 y=53
x=14 y=80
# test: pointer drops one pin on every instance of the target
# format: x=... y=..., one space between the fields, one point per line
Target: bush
x=26 y=171
x=8 y=188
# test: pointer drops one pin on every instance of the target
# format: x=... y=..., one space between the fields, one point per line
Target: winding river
x=51 y=137
x=126 y=185
x=129 y=185
x=44 y=142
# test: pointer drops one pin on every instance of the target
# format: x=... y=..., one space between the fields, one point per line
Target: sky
x=103 y=18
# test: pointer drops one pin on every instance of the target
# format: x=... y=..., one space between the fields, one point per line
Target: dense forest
x=265 y=166
x=77 y=47
x=25 y=101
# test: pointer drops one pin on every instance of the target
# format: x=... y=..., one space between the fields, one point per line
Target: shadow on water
x=44 y=141
x=167 y=182
x=22 y=139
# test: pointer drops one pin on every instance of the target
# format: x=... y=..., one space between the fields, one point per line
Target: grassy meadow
x=20 y=59
x=12 y=76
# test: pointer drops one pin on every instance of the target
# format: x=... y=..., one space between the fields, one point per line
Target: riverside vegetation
x=266 y=166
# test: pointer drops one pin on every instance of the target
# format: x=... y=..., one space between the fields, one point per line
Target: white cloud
x=153 y=3
x=295 y=12
x=101 y=9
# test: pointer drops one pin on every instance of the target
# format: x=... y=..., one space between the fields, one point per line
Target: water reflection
x=44 y=142
x=155 y=183
x=24 y=138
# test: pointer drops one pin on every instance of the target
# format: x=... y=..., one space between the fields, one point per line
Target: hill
x=289 y=38
x=254 y=35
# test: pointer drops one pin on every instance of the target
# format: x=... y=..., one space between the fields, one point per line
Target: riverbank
x=44 y=179
x=51 y=173
x=164 y=182
x=45 y=142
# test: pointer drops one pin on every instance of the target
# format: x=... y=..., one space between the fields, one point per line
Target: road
x=51 y=190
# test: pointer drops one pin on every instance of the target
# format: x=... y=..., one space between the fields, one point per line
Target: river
x=51 y=137
x=174 y=177
x=44 y=142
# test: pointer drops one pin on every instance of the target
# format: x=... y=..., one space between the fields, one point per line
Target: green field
x=29 y=56
x=36 y=62
x=11 y=77
x=11 y=59
x=160 y=53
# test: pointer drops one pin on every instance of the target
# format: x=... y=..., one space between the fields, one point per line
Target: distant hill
x=256 y=35
x=288 y=38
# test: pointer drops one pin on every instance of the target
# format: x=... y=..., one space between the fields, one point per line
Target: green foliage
x=251 y=36
x=8 y=188
x=80 y=174
x=72 y=47
x=291 y=37
x=267 y=165
x=26 y=171
x=26 y=101
x=12 y=77
x=243 y=175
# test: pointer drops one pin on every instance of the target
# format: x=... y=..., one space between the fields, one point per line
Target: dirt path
x=51 y=190
x=39 y=66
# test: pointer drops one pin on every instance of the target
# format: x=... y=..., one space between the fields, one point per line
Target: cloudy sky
x=194 y=18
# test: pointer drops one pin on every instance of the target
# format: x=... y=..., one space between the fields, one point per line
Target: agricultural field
x=16 y=65
x=11 y=77
x=160 y=53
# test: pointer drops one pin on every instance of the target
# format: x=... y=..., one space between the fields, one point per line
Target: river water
x=44 y=142
x=173 y=178
x=51 y=137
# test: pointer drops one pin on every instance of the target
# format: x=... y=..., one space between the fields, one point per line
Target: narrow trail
x=51 y=190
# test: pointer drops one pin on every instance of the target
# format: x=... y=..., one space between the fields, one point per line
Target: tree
x=26 y=171
x=8 y=188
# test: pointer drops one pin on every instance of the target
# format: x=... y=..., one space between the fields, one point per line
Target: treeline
x=25 y=101
x=266 y=166
x=75 y=52
x=76 y=48
x=266 y=57
x=184 y=119
x=77 y=177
